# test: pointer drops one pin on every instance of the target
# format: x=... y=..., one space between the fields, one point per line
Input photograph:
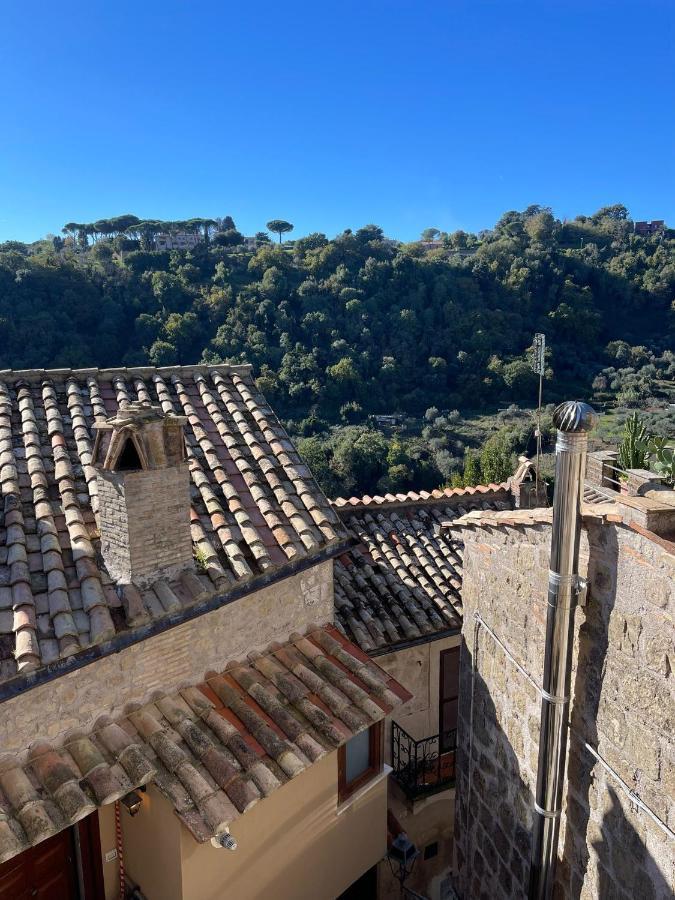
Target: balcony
x=426 y=766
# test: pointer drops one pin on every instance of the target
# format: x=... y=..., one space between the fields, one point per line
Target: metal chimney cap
x=574 y=416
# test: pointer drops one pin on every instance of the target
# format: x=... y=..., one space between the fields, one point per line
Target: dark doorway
x=50 y=870
x=448 y=699
x=364 y=888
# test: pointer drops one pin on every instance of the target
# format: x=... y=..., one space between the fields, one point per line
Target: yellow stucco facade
x=297 y=844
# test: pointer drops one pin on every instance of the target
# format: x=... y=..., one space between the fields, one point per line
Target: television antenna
x=538 y=366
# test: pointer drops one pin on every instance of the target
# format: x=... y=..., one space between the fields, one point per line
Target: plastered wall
x=430 y=820
x=417 y=669
x=296 y=844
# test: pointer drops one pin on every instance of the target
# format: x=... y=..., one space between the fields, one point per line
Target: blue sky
x=334 y=115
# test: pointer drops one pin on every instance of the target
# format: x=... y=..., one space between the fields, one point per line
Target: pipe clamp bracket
x=551 y=698
x=547 y=813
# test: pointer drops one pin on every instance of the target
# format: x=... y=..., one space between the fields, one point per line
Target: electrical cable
x=630 y=793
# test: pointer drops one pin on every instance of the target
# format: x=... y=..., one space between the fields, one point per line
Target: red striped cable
x=120 y=849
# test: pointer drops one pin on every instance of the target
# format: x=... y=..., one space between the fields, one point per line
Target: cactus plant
x=661 y=457
x=633 y=446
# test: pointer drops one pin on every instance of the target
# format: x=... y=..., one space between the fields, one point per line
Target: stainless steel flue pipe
x=573 y=420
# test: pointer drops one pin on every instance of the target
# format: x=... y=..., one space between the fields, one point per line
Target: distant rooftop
x=402 y=581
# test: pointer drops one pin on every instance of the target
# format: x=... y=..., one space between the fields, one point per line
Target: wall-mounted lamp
x=132 y=802
x=224 y=840
x=401 y=855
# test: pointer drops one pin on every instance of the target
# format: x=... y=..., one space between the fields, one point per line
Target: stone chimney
x=144 y=494
x=527 y=494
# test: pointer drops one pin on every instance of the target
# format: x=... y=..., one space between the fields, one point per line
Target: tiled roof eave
x=440 y=635
x=422 y=499
x=213 y=749
x=25 y=681
x=401 y=584
x=38 y=375
x=529 y=518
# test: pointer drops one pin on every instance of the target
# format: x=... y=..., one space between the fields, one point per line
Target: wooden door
x=448 y=699
x=50 y=870
x=45 y=872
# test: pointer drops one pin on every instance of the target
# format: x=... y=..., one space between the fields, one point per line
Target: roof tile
x=402 y=581
x=255 y=506
x=196 y=744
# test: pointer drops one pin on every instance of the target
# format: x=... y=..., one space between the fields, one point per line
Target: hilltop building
x=179 y=240
x=645 y=229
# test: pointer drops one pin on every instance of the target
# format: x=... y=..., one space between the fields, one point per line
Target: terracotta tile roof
x=519 y=518
x=403 y=579
x=214 y=749
x=255 y=507
x=417 y=497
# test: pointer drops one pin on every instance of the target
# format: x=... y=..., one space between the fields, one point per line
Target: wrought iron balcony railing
x=426 y=766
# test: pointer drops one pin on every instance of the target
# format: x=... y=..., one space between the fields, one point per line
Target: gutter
x=415 y=642
x=23 y=683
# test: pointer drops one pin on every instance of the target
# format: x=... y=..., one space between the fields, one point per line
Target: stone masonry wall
x=623 y=706
x=181 y=655
x=145 y=522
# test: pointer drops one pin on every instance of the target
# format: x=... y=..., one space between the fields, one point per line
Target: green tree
x=279 y=226
x=230 y=238
x=471 y=476
x=163 y=354
x=497 y=461
x=360 y=458
x=317 y=456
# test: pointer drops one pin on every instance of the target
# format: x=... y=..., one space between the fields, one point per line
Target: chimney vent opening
x=129 y=460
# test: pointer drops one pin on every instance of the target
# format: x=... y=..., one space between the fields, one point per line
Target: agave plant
x=661 y=457
x=633 y=447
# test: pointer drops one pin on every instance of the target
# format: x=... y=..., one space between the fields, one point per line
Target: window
x=448 y=695
x=359 y=760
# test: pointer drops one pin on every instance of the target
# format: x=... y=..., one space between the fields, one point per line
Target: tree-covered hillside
x=338 y=330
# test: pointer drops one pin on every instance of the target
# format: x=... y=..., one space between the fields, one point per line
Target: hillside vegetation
x=340 y=330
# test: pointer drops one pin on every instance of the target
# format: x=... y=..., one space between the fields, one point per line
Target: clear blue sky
x=334 y=114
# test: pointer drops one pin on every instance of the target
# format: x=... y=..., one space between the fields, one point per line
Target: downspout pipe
x=574 y=420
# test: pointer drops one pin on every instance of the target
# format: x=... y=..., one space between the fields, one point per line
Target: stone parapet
x=654 y=511
x=600 y=468
x=640 y=481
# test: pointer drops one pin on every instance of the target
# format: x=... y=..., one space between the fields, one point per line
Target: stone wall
x=623 y=706
x=178 y=656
